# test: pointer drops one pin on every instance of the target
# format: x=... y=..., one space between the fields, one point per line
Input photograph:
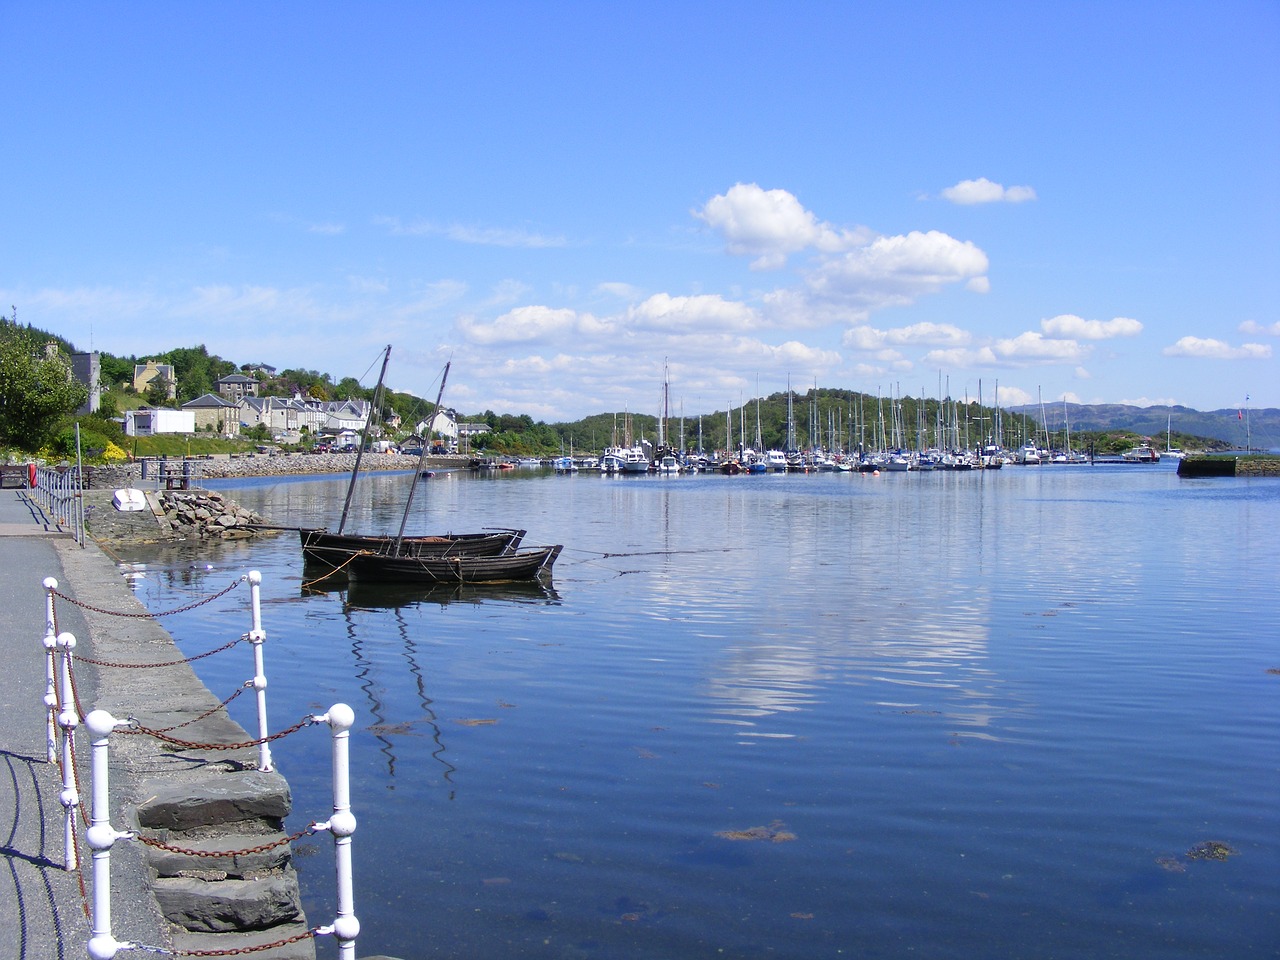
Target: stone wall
x=157 y=472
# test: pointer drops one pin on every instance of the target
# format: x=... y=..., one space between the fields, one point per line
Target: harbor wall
x=1249 y=466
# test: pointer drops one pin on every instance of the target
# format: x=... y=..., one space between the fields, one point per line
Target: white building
x=147 y=422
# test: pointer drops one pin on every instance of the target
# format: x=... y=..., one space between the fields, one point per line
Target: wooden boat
x=334 y=549
x=514 y=565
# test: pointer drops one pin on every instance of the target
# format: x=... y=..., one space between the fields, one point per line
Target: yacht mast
x=364 y=434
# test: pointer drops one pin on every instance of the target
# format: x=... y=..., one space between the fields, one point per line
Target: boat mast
x=364 y=434
x=422 y=458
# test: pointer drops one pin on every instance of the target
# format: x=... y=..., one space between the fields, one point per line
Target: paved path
x=41 y=909
x=43 y=912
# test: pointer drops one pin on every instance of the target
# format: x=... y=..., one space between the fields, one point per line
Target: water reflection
x=396 y=596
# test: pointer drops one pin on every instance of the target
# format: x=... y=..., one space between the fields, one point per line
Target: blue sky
x=1077 y=199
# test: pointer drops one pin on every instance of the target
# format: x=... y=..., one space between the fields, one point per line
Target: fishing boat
x=515 y=565
x=335 y=549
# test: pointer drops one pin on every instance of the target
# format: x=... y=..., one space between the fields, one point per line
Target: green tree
x=157 y=394
x=37 y=389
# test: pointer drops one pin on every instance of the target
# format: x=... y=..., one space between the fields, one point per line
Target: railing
x=170 y=474
x=61 y=493
x=64 y=716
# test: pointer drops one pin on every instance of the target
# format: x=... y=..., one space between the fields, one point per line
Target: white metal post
x=68 y=720
x=257 y=636
x=50 y=688
x=346 y=927
x=101 y=836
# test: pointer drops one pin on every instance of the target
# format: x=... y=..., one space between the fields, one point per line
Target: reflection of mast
x=376 y=707
x=438 y=753
x=364 y=436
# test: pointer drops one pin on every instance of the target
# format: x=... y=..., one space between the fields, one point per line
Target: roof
x=209 y=400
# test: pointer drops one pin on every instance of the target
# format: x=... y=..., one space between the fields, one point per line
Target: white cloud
x=327 y=229
x=979 y=285
x=506 y=292
x=1210 y=349
x=982 y=190
x=623 y=291
x=1257 y=329
x=1013 y=397
x=962 y=357
x=707 y=312
x=869 y=338
x=897 y=270
x=770 y=225
x=1032 y=346
x=521 y=325
x=1069 y=326
x=1082 y=374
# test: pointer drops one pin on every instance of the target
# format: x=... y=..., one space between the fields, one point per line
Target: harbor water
x=1027 y=713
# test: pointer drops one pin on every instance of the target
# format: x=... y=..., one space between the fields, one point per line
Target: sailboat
x=335 y=549
x=1174 y=453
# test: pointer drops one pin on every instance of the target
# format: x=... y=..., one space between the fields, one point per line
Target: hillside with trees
x=38 y=399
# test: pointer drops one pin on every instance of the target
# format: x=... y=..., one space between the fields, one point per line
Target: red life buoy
x=31 y=476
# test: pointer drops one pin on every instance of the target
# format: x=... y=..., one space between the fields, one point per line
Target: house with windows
x=279 y=414
x=215 y=414
x=144 y=373
x=235 y=386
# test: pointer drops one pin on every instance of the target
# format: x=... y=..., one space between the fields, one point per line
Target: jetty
x=1230 y=466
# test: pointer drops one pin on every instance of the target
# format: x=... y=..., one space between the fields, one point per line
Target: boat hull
x=335 y=549
x=516 y=565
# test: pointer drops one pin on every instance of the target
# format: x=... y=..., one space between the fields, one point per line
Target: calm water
x=951 y=715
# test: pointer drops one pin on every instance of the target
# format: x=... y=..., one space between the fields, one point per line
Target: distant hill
x=1226 y=425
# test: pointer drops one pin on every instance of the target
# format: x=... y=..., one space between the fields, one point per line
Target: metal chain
x=167 y=663
x=190 y=744
x=208 y=713
x=148 y=615
x=261 y=848
x=314 y=932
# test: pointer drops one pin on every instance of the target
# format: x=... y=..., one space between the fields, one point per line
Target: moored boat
x=335 y=549
x=513 y=565
x=1142 y=453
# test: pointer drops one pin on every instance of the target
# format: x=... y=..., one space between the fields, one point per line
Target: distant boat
x=515 y=565
x=668 y=464
x=1028 y=455
x=1174 y=453
x=635 y=460
x=1142 y=453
